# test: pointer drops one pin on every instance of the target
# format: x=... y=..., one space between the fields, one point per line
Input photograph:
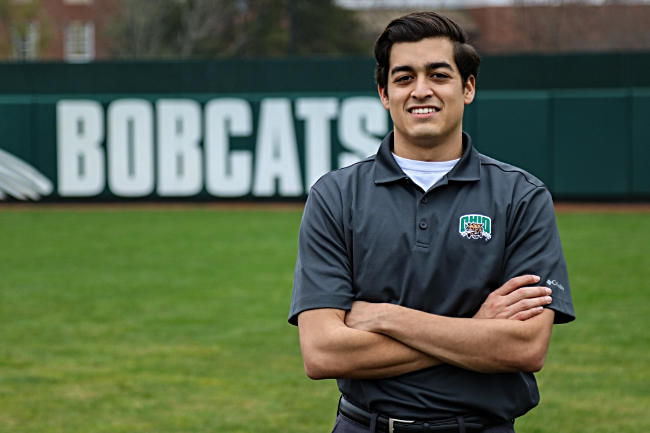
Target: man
x=417 y=284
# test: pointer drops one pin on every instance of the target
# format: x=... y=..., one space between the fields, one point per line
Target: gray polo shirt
x=369 y=233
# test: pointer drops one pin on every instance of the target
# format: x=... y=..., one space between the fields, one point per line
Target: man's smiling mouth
x=423 y=110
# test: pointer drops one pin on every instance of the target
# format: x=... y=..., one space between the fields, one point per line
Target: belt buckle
x=391 y=425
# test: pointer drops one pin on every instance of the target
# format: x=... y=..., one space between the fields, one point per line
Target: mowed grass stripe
x=175 y=321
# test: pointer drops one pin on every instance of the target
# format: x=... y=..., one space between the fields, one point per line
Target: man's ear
x=469 y=90
x=383 y=95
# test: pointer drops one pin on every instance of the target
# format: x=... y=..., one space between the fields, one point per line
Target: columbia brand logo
x=475 y=226
x=555 y=283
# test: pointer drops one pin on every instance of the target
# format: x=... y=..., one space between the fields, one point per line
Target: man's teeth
x=422 y=110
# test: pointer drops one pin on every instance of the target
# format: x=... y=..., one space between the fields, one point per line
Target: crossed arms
x=510 y=332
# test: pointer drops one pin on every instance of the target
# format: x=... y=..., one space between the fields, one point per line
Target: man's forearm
x=330 y=349
x=485 y=345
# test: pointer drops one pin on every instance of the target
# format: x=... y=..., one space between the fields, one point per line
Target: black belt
x=385 y=424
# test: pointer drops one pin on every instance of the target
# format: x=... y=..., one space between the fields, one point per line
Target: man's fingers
x=527 y=314
x=528 y=293
x=517 y=298
x=527 y=304
x=527 y=308
x=515 y=283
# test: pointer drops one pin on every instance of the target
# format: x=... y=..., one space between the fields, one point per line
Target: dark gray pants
x=345 y=425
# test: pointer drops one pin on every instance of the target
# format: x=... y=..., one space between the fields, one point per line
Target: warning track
x=560 y=207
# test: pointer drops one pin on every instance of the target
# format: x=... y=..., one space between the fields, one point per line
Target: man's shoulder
x=508 y=171
x=342 y=178
x=513 y=184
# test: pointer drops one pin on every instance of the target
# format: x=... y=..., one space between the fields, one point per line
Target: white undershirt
x=425 y=173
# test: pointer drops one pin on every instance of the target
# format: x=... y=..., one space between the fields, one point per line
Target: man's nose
x=422 y=89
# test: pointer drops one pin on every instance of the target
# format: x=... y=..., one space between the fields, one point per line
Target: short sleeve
x=534 y=247
x=322 y=278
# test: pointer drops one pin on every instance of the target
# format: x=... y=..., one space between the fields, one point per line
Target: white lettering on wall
x=80 y=157
x=361 y=120
x=130 y=148
x=180 y=170
x=228 y=172
x=317 y=114
x=231 y=148
x=276 y=156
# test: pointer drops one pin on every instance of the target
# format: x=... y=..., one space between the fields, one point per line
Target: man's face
x=425 y=95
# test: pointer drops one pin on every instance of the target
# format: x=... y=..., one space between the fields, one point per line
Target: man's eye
x=402 y=79
x=439 y=75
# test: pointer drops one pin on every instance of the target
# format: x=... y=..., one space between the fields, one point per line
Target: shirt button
x=423 y=224
x=424 y=199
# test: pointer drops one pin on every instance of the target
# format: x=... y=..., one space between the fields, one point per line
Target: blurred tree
x=138 y=30
x=323 y=27
x=217 y=28
x=265 y=28
x=23 y=29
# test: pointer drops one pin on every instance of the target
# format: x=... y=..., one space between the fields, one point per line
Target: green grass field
x=175 y=321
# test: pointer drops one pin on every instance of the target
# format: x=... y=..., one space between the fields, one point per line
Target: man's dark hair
x=420 y=25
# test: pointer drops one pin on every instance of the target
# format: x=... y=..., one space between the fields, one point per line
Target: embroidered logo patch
x=475 y=226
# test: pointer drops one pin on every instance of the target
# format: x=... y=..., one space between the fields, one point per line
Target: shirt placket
x=424 y=222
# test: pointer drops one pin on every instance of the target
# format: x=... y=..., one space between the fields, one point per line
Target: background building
x=528 y=26
x=86 y=30
x=69 y=30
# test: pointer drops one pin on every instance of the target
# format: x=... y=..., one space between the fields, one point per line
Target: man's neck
x=429 y=150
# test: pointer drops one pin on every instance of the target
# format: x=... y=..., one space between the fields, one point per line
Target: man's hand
x=515 y=300
x=365 y=316
x=514 y=338
x=332 y=350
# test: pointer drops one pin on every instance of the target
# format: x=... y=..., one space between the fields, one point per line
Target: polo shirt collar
x=469 y=167
x=386 y=169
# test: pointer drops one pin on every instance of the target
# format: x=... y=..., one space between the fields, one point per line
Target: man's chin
x=427 y=139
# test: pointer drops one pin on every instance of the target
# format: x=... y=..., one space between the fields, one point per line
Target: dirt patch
x=560 y=207
x=153 y=206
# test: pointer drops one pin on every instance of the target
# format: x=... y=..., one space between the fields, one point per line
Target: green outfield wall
x=266 y=129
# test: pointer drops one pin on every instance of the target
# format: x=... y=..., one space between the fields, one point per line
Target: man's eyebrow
x=436 y=65
x=430 y=66
x=403 y=68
